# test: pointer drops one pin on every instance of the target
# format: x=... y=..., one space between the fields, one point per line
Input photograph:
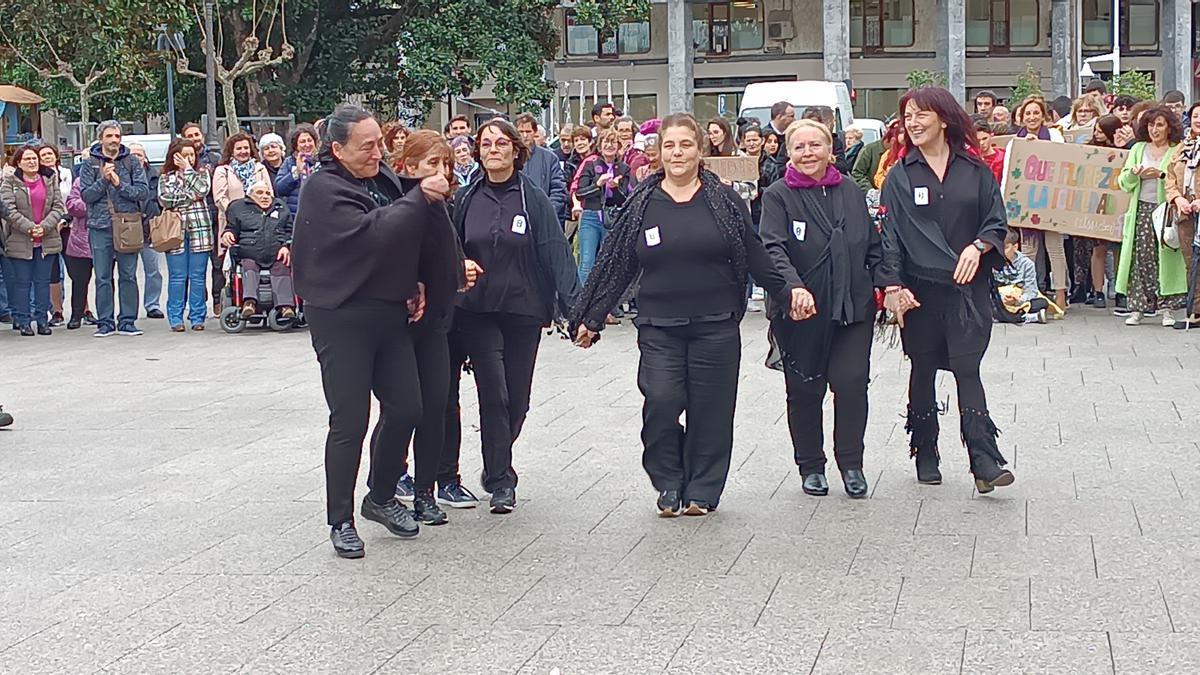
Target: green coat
x=1172 y=272
x=867 y=164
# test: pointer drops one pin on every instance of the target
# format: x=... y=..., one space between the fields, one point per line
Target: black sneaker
x=74 y=323
x=154 y=314
x=404 y=489
x=56 y=320
x=1099 y=302
x=346 y=542
x=456 y=496
x=426 y=510
x=1121 y=306
x=392 y=515
x=504 y=500
x=5 y=418
x=670 y=504
x=6 y=318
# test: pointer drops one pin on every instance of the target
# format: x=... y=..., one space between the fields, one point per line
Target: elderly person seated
x=260 y=225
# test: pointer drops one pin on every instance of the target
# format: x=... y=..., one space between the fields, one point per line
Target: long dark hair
x=178 y=143
x=728 y=146
x=1109 y=125
x=960 y=133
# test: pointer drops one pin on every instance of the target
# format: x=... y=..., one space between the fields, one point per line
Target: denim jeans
x=101 y=242
x=6 y=285
x=591 y=235
x=32 y=274
x=152 y=267
x=187 y=274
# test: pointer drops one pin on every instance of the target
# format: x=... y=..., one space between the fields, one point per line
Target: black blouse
x=497 y=235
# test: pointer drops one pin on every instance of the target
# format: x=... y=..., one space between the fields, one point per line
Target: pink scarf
x=799 y=181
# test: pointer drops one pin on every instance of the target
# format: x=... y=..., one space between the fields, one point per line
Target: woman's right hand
x=1184 y=206
x=472 y=271
x=899 y=301
x=182 y=161
x=436 y=188
x=803 y=305
x=584 y=338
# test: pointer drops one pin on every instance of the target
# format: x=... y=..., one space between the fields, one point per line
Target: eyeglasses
x=500 y=144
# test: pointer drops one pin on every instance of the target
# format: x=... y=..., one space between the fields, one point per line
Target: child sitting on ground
x=1018 y=299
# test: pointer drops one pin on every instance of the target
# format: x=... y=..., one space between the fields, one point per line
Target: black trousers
x=847 y=374
x=432 y=352
x=80 y=271
x=692 y=368
x=922 y=392
x=503 y=351
x=364 y=351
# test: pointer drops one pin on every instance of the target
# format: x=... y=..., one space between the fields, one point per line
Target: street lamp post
x=210 y=73
x=171 y=43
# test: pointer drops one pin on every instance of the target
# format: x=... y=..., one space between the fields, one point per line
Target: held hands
x=416 y=304
x=37 y=231
x=803 y=305
x=472 y=271
x=1184 y=206
x=285 y=256
x=585 y=338
x=436 y=188
x=1147 y=172
x=899 y=301
x=227 y=239
x=968 y=265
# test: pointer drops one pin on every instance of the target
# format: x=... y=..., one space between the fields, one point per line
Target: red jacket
x=996 y=163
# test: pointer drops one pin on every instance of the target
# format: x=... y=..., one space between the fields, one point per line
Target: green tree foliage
x=1135 y=84
x=925 y=78
x=1029 y=83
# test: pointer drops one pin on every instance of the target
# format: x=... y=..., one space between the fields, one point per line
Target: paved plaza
x=162 y=503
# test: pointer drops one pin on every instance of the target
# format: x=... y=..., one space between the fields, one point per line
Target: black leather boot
x=979 y=435
x=922 y=445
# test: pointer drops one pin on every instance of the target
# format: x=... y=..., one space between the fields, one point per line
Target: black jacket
x=348 y=248
x=260 y=234
x=591 y=195
x=558 y=275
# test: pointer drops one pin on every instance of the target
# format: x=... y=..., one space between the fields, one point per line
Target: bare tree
x=253 y=41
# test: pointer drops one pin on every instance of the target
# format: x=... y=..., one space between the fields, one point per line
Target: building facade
x=700 y=55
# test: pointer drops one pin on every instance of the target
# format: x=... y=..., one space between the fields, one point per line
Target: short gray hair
x=105 y=126
x=336 y=128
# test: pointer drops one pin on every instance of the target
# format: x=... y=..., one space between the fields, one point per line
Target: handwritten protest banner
x=733 y=168
x=1063 y=187
x=1079 y=136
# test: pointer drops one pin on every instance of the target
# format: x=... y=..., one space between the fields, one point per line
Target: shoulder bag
x=166 y=231
x=126 y=227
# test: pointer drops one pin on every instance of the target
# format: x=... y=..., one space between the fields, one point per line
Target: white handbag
x=1164 y=218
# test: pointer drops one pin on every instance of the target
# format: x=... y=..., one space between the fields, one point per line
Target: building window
x=631 y=38
x=1139 y=24
x=876 y=25
x=1002 y=24
x=725 y=27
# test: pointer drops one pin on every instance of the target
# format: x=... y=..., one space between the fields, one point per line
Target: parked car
x=156 y=146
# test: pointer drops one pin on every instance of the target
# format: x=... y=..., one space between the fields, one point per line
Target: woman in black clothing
x=943 y=233
x=691 y=237
x=817 y=229
x=509 y=229
x=356 y=252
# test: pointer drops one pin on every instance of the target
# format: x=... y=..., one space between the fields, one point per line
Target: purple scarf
x=799 y=181
x=1043 y=133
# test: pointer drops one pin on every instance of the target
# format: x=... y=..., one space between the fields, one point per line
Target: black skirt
x=951 y=322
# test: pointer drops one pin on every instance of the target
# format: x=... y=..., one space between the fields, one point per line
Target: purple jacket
x=77 y=245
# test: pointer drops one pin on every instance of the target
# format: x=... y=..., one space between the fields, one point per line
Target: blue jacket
x=288 y=186
x=546 y=172
x=95 y=191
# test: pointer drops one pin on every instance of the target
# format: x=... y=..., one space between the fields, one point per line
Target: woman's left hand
x=285 y=256
x=416 y=304
x=803 y=305
x=968 y=265
x=584 y=337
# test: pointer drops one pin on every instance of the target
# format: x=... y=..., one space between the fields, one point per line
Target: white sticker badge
x=799 y=228
x=921 y=196
x=519 y=224
x=653 y=238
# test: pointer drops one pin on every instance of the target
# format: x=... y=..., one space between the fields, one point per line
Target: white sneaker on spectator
x=1134 y=319
x=1168 y=320
x=754 y=306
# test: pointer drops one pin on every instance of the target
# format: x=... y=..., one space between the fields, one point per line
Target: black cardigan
x=591 y=195
x=558 y=277
x=348 y=248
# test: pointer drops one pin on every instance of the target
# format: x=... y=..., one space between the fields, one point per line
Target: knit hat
x=268 y=139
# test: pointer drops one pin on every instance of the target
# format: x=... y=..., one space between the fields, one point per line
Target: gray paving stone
x=996 y=652
x=1149 y=557
x=948 y=604
x=977 y=516
x=1082 y=517
x=825 y=555
x=1033 y=556
x=825 y=601
x=207 y=647
x=1154 y=653
x=1098 y=605
x=896 y=651
x=574 y=600
x=335 y=647
x=729 y=601
x=457 y=602
x=469 y=649
x=914 y=556
x=606 y=649
x=731 y=651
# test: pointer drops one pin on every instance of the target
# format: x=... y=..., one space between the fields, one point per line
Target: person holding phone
x=298 y=166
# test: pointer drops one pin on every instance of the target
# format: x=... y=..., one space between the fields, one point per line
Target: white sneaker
x=754 y=306
x=1167 y=319
x=757 y=294
x=1134 y=319
x=1041 y=316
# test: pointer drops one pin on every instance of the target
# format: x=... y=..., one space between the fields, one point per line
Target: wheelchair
x=267 y=310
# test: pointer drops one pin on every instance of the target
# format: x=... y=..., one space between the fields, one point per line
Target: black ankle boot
x=922 y=446
x=979 y=435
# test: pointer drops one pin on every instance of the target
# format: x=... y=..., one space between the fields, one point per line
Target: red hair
x=421 y=143
x=959 y=131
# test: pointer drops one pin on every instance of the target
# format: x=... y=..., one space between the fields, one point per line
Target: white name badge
x=519 y=225
x=799 y=229
x=653 y=238
x=274 y=214
x=921 y=196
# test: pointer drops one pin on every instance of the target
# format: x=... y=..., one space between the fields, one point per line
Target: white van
x=758 y=98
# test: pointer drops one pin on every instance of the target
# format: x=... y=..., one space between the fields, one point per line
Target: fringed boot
x=922 y=446
x=979 y=435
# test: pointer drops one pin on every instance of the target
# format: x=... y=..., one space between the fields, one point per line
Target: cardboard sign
x=1078 y=136
x=733 y=168
x=1002 y=141
x=1063 y=187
